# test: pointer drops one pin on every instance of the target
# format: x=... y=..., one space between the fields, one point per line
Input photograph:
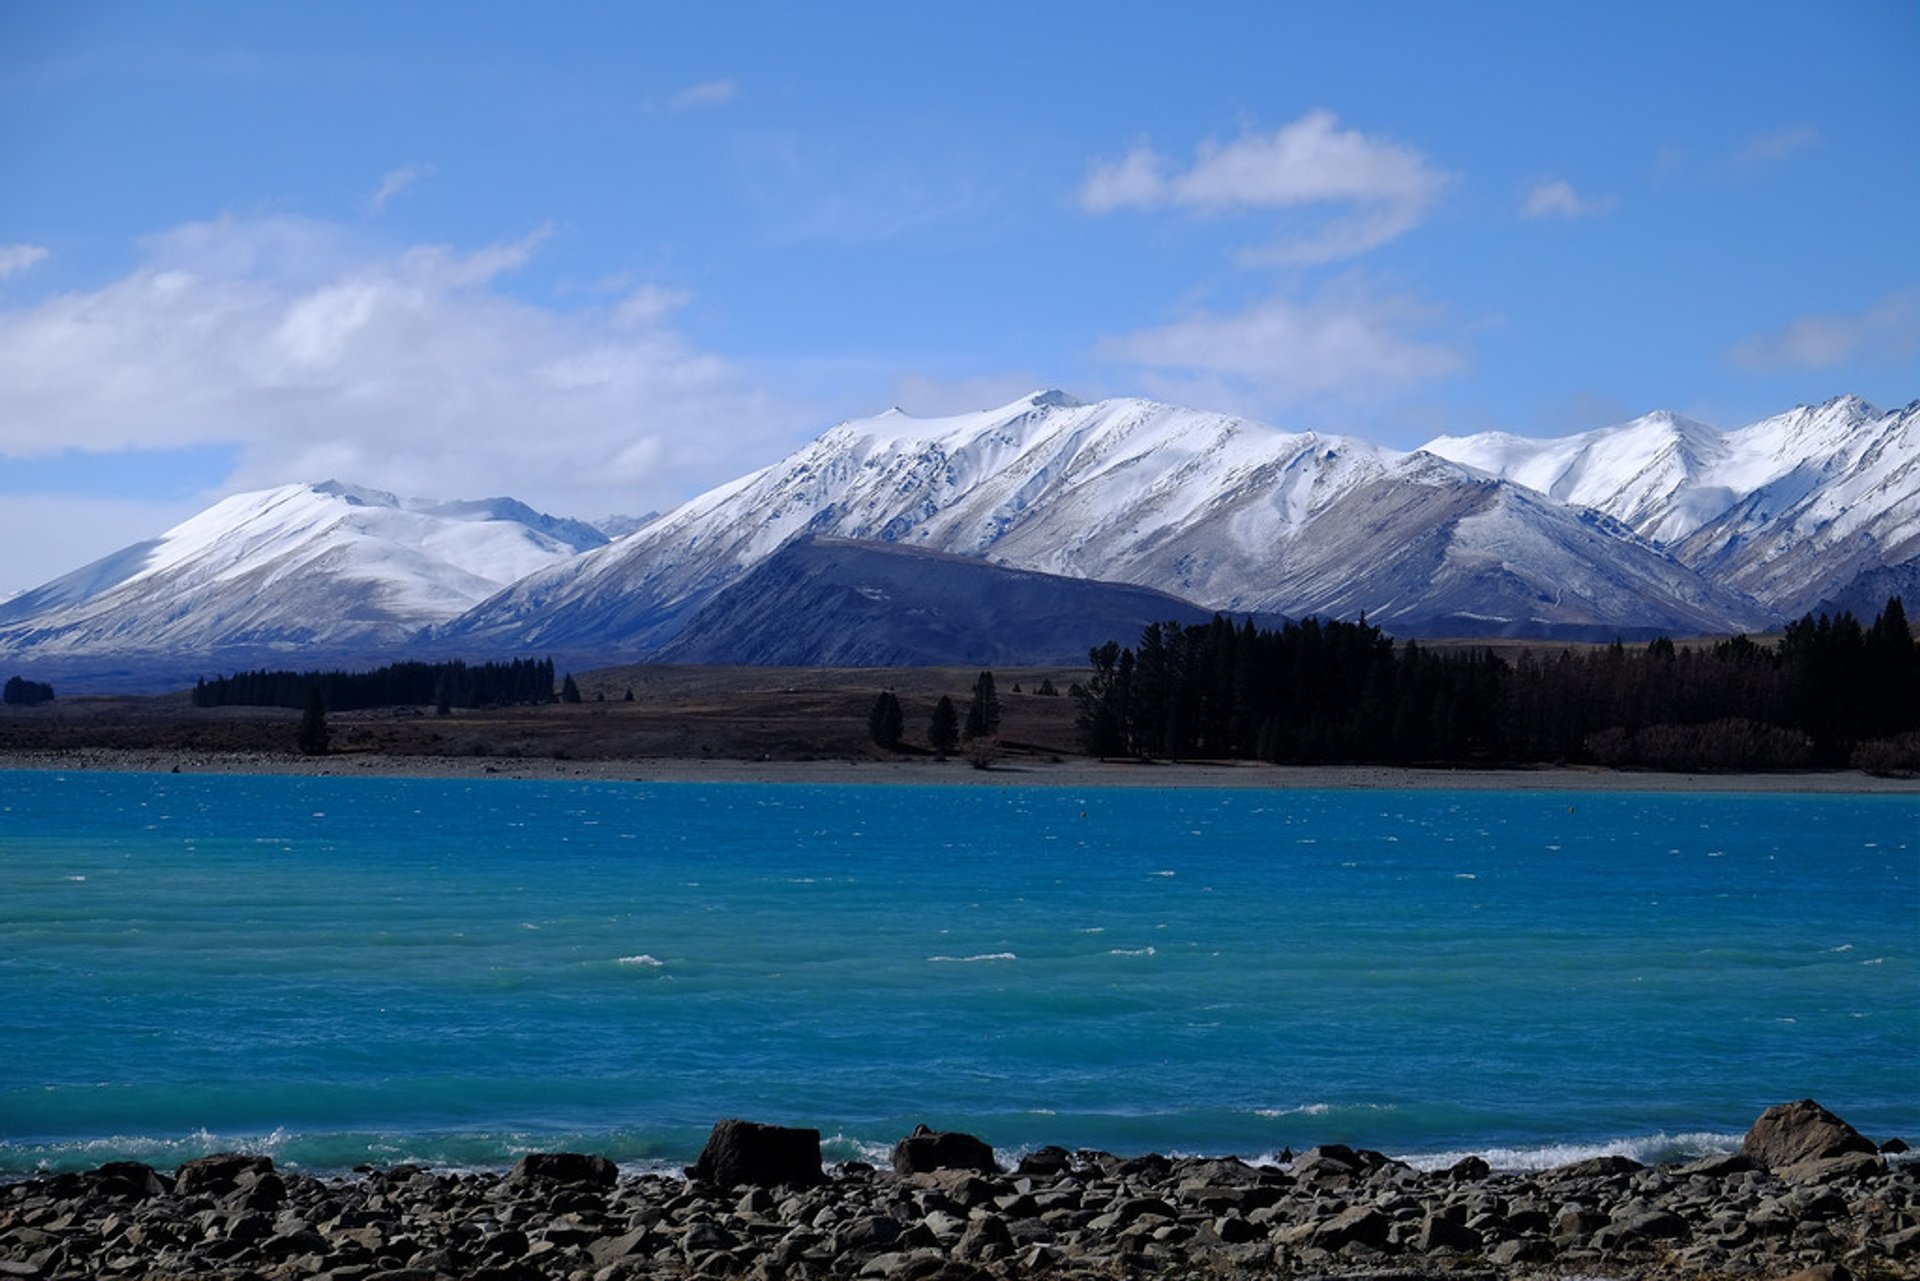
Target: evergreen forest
x=1829 y=692
x=445 y=685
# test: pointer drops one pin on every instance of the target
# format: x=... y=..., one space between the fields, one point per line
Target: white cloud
x=396 y=181
x=708 y=93
x=1558 y=199
x=411 y=371
x=1770 y=148
x=18 y=258
x=1136 y=180
x=1376 y=189
x=1346 y=343
x=1885 y=333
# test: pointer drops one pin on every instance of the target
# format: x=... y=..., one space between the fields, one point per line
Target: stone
x=1469 y=1170
x=565 y=1167
x=925 y=1151
x=1854 y=1165
x=1791 y=1133
x=1520 y=1250
x=1047 y=1161
x=742 y=1152
x=1654 y=1225
x=132 y=1179
x=1437 y=1232
x=1597 y=1167
x=1719 y=1166
x=219 y=1174
x=1360 y=1224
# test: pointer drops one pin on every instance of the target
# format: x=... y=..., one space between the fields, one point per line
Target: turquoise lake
x=346 y=970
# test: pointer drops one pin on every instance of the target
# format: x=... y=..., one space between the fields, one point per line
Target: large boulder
x=220 y=1174
x=565 y=1167
x=925 y=1151
x=134 y=1180
x=747 y=1152
x=1789 y=1134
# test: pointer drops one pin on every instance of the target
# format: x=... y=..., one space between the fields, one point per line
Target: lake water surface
x=346 y=970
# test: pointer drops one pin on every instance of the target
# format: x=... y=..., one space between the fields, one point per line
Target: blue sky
x=603 y=256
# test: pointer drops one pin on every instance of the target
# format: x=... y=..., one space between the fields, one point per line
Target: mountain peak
x=1053 y=398
x=358 y=495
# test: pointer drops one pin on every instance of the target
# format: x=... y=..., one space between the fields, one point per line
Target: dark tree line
x=21 y=692
x=445 y=685
x=1330 y=691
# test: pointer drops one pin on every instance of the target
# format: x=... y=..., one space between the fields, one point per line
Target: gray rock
x=217 y=1175
x=1360 y=1224
x=1439 y=1232
x=925 y=1151
x=740 y=1152
x=1791 y=1133
x=1855 y=1165
x=565 y=1167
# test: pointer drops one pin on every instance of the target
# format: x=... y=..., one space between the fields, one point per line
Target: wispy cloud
x=18 y=258
x=1348 y=341
x=1373 y=189
x=1888 y=332
x=396 y=181
x=1779 y=144
x=708 y=93
x=1557 y=199
x=414 y=371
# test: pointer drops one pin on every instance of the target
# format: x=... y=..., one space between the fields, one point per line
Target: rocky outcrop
x=1075 y=1215
x=747 y=1152
x=565 y=1167
x=925 y=1151
x=1803 y=1136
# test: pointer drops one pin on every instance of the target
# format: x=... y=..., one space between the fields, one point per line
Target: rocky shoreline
x=1026 y=772
x=1807 y=1197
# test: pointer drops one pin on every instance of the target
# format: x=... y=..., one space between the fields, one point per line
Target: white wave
x=1648 y=1149
x=1844 y=947
x=840 y=1146
x=1131 y=951
x=652 y=962
x=984 y=956
x=1165 y=873
x=1465 y=876
x=76 y=878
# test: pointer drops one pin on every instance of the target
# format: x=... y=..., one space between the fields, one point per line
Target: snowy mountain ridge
x=1660 y=525
x=1227 y=512
x=1786 y=510
x=317 y=564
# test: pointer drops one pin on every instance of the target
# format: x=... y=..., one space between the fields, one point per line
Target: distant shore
x=1018 y=772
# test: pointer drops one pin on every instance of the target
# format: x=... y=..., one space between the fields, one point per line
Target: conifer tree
x=983 y=713
x=943 y=733
x=569 y=692
x=886 y=722
x=313 y=735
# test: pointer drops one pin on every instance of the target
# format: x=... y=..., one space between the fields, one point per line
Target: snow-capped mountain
x=1661 y=525
x=1789 y=510
x=328 y=567
x=1047 y=483
x=1226 y=512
